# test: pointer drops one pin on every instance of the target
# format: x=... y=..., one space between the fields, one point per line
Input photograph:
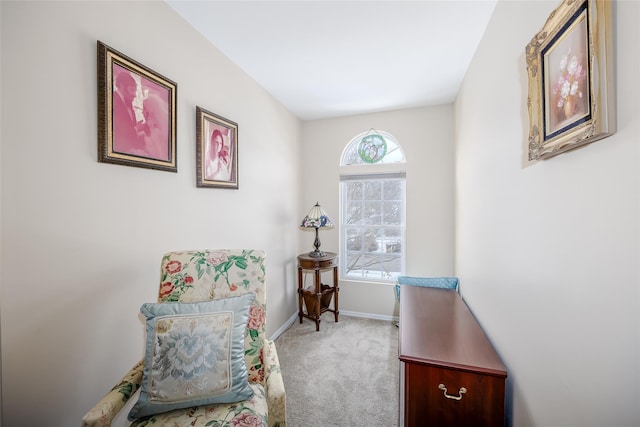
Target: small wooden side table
x=317 y=299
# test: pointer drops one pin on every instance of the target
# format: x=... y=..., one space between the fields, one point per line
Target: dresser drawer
x=482 y=404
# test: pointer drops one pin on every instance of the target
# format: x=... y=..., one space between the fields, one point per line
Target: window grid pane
x=373 y=229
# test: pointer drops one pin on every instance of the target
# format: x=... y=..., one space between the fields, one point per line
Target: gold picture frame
x=136 y=113
x=216 y=150
x=571 y=79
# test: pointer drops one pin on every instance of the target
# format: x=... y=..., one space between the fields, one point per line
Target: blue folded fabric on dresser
x=430 y=282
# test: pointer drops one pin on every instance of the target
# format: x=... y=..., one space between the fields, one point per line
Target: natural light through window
x=372 y=208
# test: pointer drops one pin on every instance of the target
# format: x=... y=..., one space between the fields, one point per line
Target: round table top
x=327 y=261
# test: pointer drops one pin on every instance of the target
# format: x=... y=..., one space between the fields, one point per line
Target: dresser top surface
x=437 y=329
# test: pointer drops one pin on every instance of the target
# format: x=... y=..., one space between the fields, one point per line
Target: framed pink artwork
x=136 y=113
x=571 y=79
x=216 y=150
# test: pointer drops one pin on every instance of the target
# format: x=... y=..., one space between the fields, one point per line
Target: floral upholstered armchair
x=234 y=281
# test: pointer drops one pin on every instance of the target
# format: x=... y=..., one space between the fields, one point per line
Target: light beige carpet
x=345 y=375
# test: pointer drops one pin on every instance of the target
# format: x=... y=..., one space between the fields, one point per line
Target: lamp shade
x=316 y=218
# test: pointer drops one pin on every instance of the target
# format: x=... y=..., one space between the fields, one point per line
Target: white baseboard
x=369 y=315
x=285 y=326
x=294 y=317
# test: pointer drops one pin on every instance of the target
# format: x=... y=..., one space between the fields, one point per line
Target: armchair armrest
x=103 y=413
x=274 y=386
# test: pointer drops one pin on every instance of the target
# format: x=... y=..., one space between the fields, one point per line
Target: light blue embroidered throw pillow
x=194 y=355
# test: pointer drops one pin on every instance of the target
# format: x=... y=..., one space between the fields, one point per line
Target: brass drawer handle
x=462 y=391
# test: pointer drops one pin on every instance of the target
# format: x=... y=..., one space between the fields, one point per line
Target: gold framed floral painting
x=571 y=79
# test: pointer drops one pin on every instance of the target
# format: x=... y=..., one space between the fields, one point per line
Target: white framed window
x=372 y=208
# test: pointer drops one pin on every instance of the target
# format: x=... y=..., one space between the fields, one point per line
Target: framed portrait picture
x=136 y=113
x=216 y=150
x=571 y=79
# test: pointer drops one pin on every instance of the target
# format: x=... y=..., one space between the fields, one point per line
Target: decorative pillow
x=194 y=355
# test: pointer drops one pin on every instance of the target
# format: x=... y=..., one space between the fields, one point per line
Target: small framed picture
x=136 y=113
x=571 y=79
x=216 y=150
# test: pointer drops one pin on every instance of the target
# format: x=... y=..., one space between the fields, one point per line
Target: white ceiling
x=334 y=58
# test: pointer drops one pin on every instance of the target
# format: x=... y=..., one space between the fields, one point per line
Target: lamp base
x=317 y=254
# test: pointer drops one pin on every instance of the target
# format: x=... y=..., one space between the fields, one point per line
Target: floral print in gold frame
x=571 y=79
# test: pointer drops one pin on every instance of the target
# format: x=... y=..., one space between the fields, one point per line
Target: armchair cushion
x=194 y=355
x=205 y=275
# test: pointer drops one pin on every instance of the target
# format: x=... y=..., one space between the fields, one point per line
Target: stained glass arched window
x=372 y=147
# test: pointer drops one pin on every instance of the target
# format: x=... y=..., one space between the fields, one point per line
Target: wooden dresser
x=450 y=372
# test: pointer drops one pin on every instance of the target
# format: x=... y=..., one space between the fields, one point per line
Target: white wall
x=426 y=135
x=81 y=240
x=0 y=223
x=548 y=252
